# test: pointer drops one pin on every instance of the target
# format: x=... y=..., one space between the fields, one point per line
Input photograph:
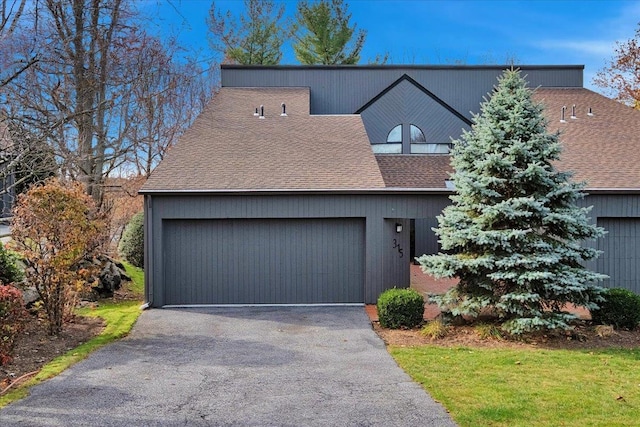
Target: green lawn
x=505 y=387
x=119 y=318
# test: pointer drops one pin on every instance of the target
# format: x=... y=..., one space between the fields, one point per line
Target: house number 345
x=397 y=246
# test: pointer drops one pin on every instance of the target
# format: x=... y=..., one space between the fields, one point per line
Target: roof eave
x=377 y=190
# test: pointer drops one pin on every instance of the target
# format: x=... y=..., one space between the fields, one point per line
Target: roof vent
x=256 y=113
x=590 y=112
x=284 y=110
x=261 y=112
x=573 y=111
x=562 y=120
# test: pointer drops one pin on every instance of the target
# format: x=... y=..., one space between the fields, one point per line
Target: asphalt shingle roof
x=228 y=148
x=414 y=171
x=603 y=149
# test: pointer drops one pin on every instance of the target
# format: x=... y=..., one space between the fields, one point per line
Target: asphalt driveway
x=295 y=366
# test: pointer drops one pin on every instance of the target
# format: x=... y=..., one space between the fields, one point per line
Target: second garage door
x=264 y=261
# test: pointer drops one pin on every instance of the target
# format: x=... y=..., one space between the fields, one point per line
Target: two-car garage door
x=263 y=261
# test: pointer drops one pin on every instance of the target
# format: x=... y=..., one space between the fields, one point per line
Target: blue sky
x=441 y=32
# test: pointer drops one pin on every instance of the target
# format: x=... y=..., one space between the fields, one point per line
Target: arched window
x=417 y=136
x=395 y=135
x=393 y=145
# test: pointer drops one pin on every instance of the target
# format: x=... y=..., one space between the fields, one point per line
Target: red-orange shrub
x=58 y=231
x=12 y=317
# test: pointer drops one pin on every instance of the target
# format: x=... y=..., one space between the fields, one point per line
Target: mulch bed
x=35 y=347
x=584 y=337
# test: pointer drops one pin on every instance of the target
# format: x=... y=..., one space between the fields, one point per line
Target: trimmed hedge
x=620 y=308
x=131 y=246
x=400 y=308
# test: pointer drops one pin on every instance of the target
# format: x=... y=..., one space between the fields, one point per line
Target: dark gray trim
x=386 y=190
x=400 y=66
x=421 y=88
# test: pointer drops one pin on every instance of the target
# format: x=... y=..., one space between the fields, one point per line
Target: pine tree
x=513 y=233
x=254 y=38
x=322 y=34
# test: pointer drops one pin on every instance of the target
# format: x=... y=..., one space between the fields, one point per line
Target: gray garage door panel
x=264 y=261
x=621 y=252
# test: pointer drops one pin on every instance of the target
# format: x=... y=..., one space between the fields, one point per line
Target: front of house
x=318 y=185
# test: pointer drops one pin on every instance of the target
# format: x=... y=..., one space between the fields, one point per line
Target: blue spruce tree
x=514 y=231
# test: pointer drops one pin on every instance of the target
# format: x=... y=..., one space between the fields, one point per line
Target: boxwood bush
x=131 y=246
x=9 y=270
x=400 y=308
x=620 y=309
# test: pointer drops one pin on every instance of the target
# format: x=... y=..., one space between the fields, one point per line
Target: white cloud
x=597 y=48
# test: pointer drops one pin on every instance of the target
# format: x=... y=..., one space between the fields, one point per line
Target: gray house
x=318 y=185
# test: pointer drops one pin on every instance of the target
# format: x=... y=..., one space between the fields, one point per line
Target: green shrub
x=620 y=308
x=9 y=270
x=400 y=308
x=12 y=317
x=131 y=246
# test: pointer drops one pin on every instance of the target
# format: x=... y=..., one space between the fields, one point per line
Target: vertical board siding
x=396 y=264
x=257 y=261
x=621 y=253
x=426 y=238
x=345 y=90
x=371 y=209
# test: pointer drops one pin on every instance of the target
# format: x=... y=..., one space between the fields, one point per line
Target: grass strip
x=510 y=387
x=119 y=318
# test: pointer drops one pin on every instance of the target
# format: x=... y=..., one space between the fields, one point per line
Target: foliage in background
x=10 y=272
x=253 y=38
x=12 y=316
x=323 y=35
x=104 y=94
x=513 y=233
x=622 y=74
x=400 y=308
x=620 y=308
x=56 y=228
x=131 y=246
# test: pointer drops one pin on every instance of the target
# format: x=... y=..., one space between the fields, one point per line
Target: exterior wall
x=383 y=265
x=620 y=246
x=426 y=239
x=406 y=104
x=344 y=90
x=8 y=197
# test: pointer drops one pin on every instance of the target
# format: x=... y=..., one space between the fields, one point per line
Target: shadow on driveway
x=294 y=366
